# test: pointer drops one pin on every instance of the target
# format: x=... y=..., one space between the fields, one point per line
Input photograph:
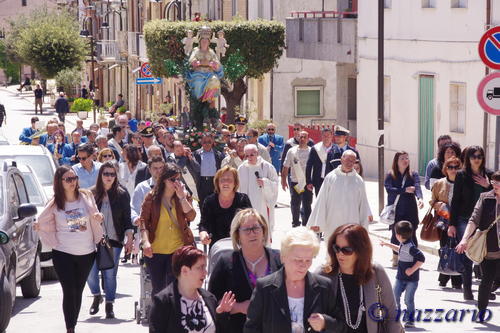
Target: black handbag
x=450 y=262
x=104 y=256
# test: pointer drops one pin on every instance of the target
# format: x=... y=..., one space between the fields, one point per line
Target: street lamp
x=86 y=33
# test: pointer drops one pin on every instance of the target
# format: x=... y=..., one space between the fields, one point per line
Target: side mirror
x=26 y=210
x=4 y=238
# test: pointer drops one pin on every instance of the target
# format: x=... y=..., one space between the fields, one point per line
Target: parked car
x=42 y=163
x=20 y=243
x=39 y=199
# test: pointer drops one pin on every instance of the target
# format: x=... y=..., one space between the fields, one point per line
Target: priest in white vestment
x=342 y=199
x=259 y=180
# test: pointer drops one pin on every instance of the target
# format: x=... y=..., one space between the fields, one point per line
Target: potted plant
x=82 y=106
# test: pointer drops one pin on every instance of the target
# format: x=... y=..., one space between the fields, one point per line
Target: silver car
x=42 y=164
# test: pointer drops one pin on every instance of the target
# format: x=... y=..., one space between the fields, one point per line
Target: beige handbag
x=476 y=245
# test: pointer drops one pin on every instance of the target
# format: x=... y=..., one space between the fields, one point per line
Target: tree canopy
x=259 y=42
x=47 y=40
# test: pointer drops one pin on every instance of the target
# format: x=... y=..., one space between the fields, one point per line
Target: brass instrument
x=231 y=128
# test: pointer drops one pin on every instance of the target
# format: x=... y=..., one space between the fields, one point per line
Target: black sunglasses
x=453 y=167
x=345 y=250
x=70 y=179
x=477 y=157
x=109 y=174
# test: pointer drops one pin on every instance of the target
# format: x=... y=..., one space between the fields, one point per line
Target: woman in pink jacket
x=71 y=225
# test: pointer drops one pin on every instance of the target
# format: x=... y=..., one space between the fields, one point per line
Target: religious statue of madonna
x=206 y=71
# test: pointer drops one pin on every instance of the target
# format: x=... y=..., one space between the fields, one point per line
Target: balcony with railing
x=108 y=51
x=322 y=35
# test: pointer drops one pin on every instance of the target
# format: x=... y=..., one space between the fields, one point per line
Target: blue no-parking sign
x=489 y=48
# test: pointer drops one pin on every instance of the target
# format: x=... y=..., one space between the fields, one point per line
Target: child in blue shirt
x=410 y=258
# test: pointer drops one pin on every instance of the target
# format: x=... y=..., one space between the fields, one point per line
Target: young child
x=409 y=262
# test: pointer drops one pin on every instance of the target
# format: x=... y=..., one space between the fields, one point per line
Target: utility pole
x=380 y=106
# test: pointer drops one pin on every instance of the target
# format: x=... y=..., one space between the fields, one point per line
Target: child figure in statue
x=221 y=43
x=188 y=42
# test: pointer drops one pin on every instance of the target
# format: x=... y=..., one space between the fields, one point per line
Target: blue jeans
x=109 y=277
x=410 y=287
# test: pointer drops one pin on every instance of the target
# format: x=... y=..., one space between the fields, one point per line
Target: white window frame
x=458 y=109
x=321 y=100
x=459 y=4
x=387 y=98
x=428 y=3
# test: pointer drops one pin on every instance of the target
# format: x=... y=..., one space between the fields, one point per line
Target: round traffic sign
x=488 y=93
x=489 y=48
x=146 y=70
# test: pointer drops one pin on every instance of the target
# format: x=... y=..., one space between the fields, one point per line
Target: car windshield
x=34 y=193
x=40 y=163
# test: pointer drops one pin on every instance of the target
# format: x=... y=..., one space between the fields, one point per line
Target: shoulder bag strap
x=402 y=186
x=172 y=217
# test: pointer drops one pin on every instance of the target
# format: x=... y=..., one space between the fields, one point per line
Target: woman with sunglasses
x=237 y=271
x=442 y=197
x=446 y=151
x=470 y=182
x=106 y=155
x=113 y=201
x=403 y=183
x=485 y=212
x=129 y=166
x=355 y=280
x=164 y=224
x=71 y=225
x=184 y=306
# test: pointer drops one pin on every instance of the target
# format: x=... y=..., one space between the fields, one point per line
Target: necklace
x=254 y=263
x=347 y=311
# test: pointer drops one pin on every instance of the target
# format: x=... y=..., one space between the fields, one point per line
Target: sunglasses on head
x=70 y=179
x=109 y=174
x=453 y=167
x=345 y=250
x=477 y=157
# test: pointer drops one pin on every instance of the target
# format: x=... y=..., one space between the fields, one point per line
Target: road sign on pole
x=488 y=93
x=148 y=80
x=146 y=70
x=489 y=48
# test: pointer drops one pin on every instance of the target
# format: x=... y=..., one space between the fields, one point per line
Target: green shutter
x=426 y=122
x=308 y=102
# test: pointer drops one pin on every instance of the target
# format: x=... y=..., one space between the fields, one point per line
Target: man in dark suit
x=317 y=162
x=143 y=173
x=210 y=161
x=335 y=154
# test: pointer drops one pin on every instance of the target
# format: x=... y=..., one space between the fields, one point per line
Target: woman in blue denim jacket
x=402 y=181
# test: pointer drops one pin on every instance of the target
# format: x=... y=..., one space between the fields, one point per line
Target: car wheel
x=30 y=285
x=5 y=302
x=49 y=273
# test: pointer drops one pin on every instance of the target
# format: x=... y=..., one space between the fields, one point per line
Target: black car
x=19 y=243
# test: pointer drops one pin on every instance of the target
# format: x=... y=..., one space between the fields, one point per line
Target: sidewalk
x=71 y=118
x=379 y=230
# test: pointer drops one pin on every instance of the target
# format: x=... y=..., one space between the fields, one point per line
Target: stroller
x=220 y=247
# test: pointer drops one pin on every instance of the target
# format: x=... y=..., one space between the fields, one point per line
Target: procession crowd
x=137 y=183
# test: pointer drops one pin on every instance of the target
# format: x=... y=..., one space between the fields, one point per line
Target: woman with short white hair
x=294 y=299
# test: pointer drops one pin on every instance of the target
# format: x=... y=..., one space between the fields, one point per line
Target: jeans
x=72 y=271
x=490 y=269
x=467 y=274
x=410 y=287
x=109 y=278
x=297 y=201
x=160 y=270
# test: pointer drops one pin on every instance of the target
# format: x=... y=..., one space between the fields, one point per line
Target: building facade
x=432 y=70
